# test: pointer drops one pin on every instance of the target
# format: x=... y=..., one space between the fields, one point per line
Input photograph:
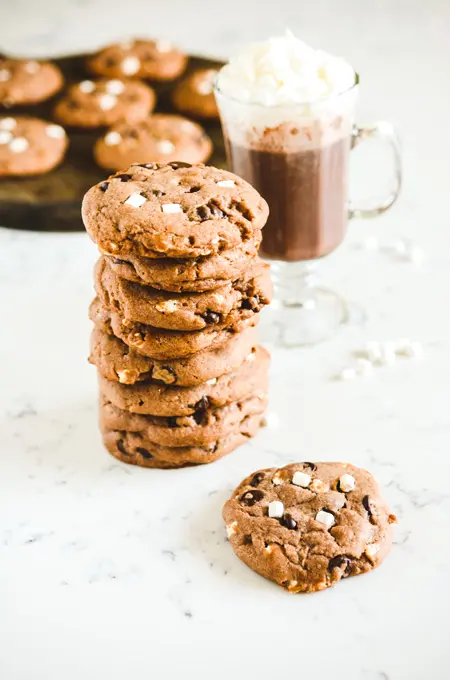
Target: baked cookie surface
x=30 y=146
x=308 y=525
x=194 y=95
x=153 y=59
x=103 y=102
x=162 y=138
x=174 y=210
x=27 y=81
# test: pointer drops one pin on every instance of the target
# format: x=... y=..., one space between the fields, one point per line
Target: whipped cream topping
x=284 y=71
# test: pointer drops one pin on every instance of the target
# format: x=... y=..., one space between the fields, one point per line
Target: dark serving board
x=51 y=202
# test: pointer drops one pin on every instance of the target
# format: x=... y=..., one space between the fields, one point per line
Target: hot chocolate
x=307 y=194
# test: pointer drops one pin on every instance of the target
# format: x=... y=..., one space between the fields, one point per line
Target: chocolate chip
x=251 y=497
x=200 y=410
x=121 y=447
x=104 y=186
x=117 y=261
x=179 y=164
x=256 y=479
x=210 y=210
x=288 y=521
x=193 y=190
x=157 y=193
x=143 y=452
x=366 y=504
x=337 y=562
x=123 y=177
x=311 y=466
x=211 y=317
x=149 y=166
x=110 y=62
x=202 y=212
x=248 y=540
x=172 y=421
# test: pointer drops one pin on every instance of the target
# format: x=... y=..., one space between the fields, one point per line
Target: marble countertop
x=107 y=570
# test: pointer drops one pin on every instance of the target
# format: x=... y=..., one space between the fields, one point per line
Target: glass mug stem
x=384 y=131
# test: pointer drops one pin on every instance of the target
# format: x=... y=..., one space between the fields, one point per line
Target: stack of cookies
x=179 y=290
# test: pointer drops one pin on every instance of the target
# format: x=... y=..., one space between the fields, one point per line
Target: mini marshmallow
x=319 y=487
x=87 y=86
x=171 y=208
x=277 y=479
x=346 y=483
x=372 y=549
x=165 y=146
x=5 y=136
x=228 y=183
x=276 y=509
x=7 y=123
x=130 y=65
x=114 y=87
x=213 y=381
x=325 y=518
x=136 y=200
x=107 y=102
x=112 y=138
x=18 y=144
x=55 y=131
x=5 y=75
x=301 y=479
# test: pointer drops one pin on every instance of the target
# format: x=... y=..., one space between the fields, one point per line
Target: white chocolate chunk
x=32 y=66
x=171 y=208
x=114 y=87
x=213 y=381
x=112 y=138
x=228 y=183
x=232 y=529
x=346 y=483
x=18 y=144
x=130 y=65
x=55 y=131
x=276 y=509
x=5 y=136
x=372 y=549
x=167 y=306
x=136 y=200
x=325 y=518
x=107 y=102
x=7 y=123
x=87 y=86
x=301 y=479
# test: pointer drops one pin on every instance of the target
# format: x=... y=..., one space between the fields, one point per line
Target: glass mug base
x=303 y=311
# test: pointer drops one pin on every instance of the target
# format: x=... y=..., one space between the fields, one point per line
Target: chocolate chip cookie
x=152 y=59
x=27 y=81
x=191 y=275
x=308 y=525
x=194 y=95
x=184 y=311
x=159 y=343
x=161 y=138
x=30 y=146
x=138 y=449
x=204 y=427
x=172 y=210
x=168 y=400
x=103 y=102
x=116 y=361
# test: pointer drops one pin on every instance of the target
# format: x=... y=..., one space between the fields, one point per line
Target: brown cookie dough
x=188 y=276
x=194 y=95
x=161 y=138
x=203 y=427
x=162 y=400
x=184 y=311
x=26 y=81
x=159 y=343
x=30 y=146
x=103 y=102
x=116 y=361
x=137 y=449
x=173 y=210
x=152 y=59
x=308 y=525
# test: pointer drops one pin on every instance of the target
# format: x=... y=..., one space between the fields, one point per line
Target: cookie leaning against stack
x=179 y=288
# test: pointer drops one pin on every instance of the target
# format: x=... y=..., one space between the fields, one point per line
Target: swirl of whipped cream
x=283 y=71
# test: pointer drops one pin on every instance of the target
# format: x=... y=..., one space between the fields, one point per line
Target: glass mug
x=297 y=157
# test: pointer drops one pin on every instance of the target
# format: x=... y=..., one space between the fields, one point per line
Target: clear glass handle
x=385 y=132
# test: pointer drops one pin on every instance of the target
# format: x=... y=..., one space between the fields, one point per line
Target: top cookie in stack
x=179 y=288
